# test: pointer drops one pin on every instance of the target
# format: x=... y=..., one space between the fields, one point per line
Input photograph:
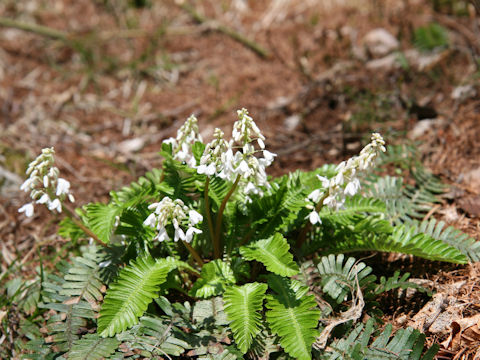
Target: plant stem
x=34 y=28
x=207 y=209
x=74 y=217
x=217 y=245
x=201 y=19
x=308 y=226
x=194 y=253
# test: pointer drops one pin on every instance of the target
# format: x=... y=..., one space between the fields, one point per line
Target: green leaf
x=403 y=202
x=197 y=149
x=155 y=337
x=92 y=347
x=243 y=305
x=449 y=235
x=101 y=219
x=371 y=234
x=413 y=242
x=215 y=277
x=338 y=279
x=355 y=207
x=293 y=316
x=273 y=253
x=406 y=344
x=83 y=278
x=128 y=298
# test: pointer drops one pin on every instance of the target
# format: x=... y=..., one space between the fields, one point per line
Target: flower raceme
x=175 y=212
x=345 y=183
x=187 y=135
x=44 y=185
x=238 y=157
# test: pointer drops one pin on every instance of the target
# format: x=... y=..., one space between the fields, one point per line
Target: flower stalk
x=217 y=241
x=72 y=215
x=207 y=209
x=194 y=253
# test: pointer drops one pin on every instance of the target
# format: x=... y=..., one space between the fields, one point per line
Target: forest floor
x=114 y=80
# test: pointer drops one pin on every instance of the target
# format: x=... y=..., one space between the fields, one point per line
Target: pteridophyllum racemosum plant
x=211 y=223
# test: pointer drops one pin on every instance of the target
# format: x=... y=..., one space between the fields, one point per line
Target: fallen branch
x=201 y=19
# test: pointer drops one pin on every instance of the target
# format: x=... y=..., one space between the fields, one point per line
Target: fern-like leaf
x=338 y=278
x=403 y=202
x=70 y=315
x=157 y=336
x=292 y=317
x=448 y=234
x=273 y=253
x=355 y=207
x=214 y=278
x=92 y=347
x=101 y=219
x=130 y=295
x=82 y=279
x=423 y=245
x=372 y=234
x=242 y=305
x=406 y=344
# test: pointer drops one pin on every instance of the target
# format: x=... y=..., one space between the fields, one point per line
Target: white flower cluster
x=174 y=211
x=219 y=158
x=334 y=190
x=187 y=135
x=44 y=185
x=214 y=157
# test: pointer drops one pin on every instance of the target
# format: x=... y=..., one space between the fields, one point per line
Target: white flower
x=243 y=168
x=269 y=157
x=261 y=143
x=194 y=217
x=28 y=184
x=44 y=181
x=207 y=169
x=179 y=234
x=27 y=209
x=55 y=205
x=174 y=211
x=187 y=135
x=324 y=180
x=352 y=187
x=250 y=189
x=44 y=199
x=315 y=195
x=63 y=187
x=151 y=220
x=345 y=182
x=314 y=218
x=162 y=234
x=190 y=232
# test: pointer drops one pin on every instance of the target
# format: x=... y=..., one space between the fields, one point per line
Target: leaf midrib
x=132 y=294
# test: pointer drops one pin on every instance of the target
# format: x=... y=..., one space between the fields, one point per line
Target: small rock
x=131 y=145
x=472 y=178
x=385 y=63
x=292 y=122
x=471 y=205
x=379 y=42
x=423 y=126
x=463 y=92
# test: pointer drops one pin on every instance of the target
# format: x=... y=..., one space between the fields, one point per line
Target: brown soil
x=140 y=72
